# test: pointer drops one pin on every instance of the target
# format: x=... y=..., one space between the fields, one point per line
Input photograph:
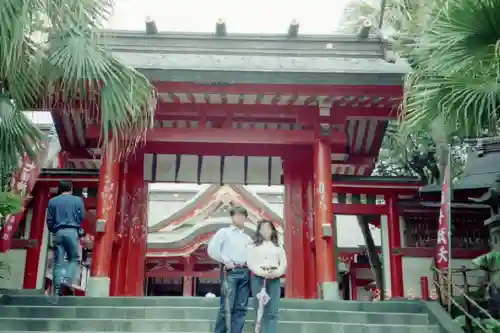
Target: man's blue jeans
x=270 y=316
x=238 y=281
x=67 y=242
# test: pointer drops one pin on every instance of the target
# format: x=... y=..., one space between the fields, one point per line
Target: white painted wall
x=16 y=260
x=386 y=265
x=363 y=294
x=414 y=268
x=42 y=263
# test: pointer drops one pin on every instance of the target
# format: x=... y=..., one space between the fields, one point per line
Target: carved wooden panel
x=467 y=233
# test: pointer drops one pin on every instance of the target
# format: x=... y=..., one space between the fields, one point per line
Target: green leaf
x=50 y=46
x=458 y=72
x=10 y=203
x=18 y=137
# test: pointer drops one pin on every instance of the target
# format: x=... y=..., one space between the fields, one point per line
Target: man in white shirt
x=229 y=247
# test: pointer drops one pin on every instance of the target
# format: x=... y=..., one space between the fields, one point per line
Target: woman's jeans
x=270 y=317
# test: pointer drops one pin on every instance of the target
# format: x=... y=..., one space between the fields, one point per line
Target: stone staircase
x=28 y=313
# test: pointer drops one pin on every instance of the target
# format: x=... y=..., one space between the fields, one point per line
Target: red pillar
x=294 y=219
x=187 y=284
x=326 y=270
x=40 y=202
x=138 y=219
x=394 y=233
x=310 y=283
x=100 y=270
x=114 y=271
x=122 y=245
x=424 y=288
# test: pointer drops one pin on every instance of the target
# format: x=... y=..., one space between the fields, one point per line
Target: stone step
x=387 y=306
x=191 y=325
x=22 y=292
x=207 y=313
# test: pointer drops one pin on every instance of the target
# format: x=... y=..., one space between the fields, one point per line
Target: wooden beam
x=359 y=209
x=22 y=244
x=371 y=187
x=428 y=252
x=77 y=180
x=280 y=89
x=265 y=113
x=165 y=273
x=357 y=160
x=81 y=153
x=224 y=149
x=229 y=135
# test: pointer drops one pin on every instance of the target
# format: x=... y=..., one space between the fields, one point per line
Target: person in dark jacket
x=64 y=219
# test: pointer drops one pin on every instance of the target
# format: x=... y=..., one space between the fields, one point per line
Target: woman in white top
x=267 y=261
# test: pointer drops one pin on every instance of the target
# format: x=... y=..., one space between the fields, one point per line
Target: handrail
x=443 y=276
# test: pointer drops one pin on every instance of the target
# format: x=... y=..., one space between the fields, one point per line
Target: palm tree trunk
x=373 y=257
x=440 y=137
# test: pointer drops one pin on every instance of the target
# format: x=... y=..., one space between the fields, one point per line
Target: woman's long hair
x=274 y=233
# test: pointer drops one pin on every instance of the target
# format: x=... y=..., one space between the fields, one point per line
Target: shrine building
x=303 y=116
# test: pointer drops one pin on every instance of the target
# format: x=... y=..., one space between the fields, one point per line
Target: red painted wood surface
x=23 y=182
x=256 y=136
x=188 y=283
x=360 y=209
x=429 y=252
x=120 y=246
x=78 y=181
x=374 y=187
x=294 y=219
x=106 y=210
x=424 y=288
x=40 y=202
x=138 y=215
x=280 y=89
x=394 y=233
x=326 y=271
x=310 y=282
x=214 y=274
x=264 y=113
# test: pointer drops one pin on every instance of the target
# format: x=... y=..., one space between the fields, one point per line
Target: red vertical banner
x=443 y=248
x=23 y=182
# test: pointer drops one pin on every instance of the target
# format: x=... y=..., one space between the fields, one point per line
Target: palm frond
x=69 y=60
x=87 y=71
x=18 y=137
x=459 y=69
x=401 y=18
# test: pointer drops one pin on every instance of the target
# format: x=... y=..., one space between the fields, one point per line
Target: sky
x=256 y=16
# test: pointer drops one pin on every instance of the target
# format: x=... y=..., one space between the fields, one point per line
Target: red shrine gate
x=295 y=111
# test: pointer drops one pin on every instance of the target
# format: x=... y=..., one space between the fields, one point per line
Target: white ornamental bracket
x=324 y=111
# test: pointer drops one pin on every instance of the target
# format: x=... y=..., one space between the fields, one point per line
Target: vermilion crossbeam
x=230 y=135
